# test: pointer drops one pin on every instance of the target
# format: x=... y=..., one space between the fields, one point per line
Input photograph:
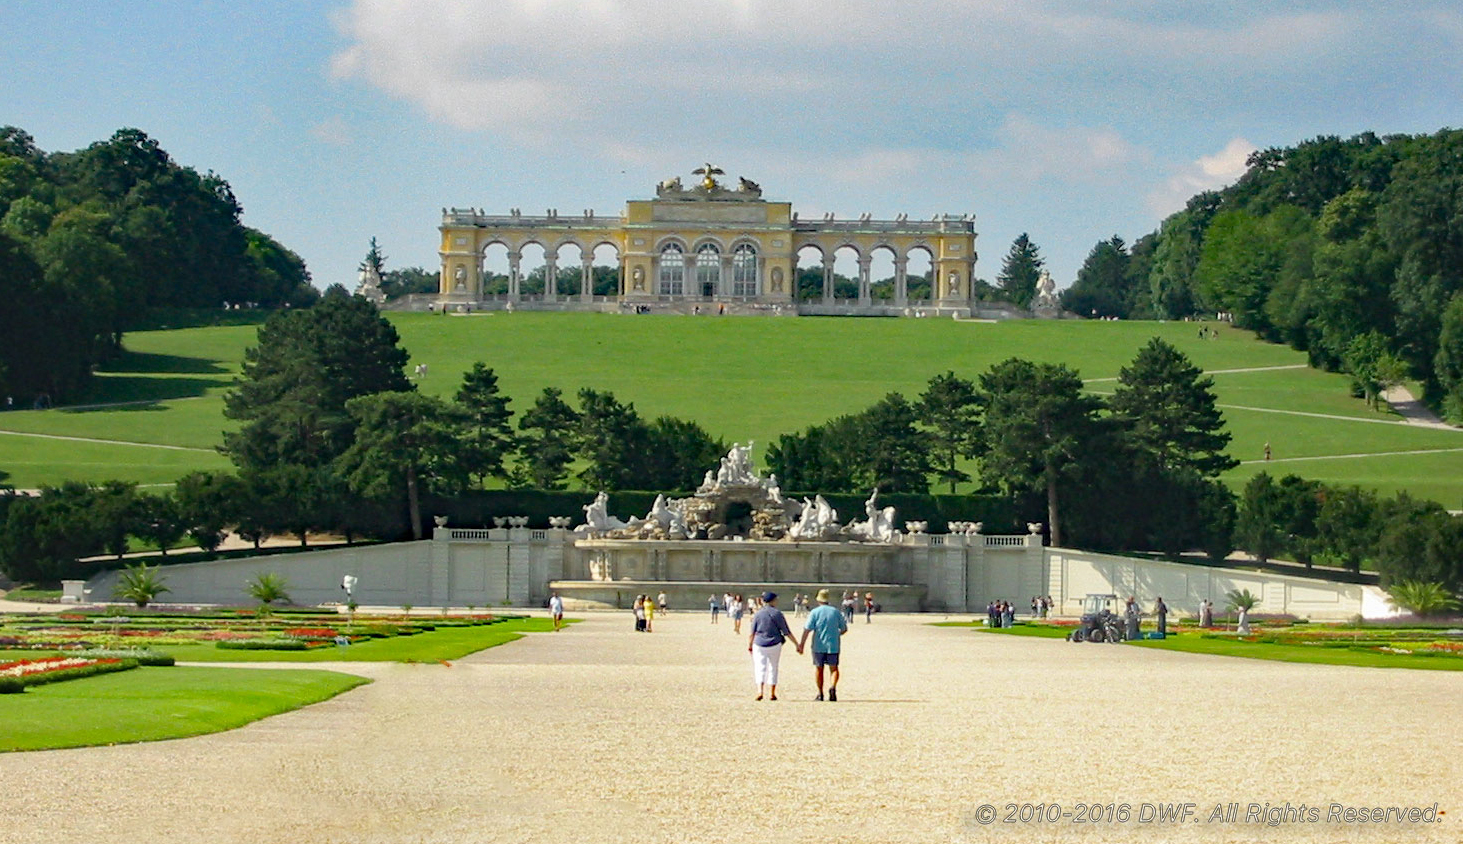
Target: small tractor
x=1101 y=621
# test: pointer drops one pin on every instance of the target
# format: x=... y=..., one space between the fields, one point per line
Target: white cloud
x=1207 y=172
x=597 y=70
x=332 y=131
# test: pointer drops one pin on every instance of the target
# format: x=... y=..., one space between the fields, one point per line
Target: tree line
x=1348 y=249
x=1135 y=471
x=1404 y=539
x=92 y=240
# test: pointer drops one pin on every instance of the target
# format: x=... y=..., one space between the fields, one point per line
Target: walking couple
x=824 y=624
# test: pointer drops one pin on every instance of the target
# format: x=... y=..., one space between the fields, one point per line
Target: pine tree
x=1169 y=410
x=950 y=408
x=1039 y=428
x=1020 y=271
x=488 y=439
x=546 y=447
x=406 y=444
x=374 y=260
x=296 y=381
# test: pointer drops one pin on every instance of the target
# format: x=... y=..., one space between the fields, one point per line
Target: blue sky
x=336 y=121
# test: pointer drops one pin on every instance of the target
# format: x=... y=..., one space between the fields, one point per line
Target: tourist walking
x=664 y=607
x=649 y=615
x=868 y=608
x=826 y=626
x=1206 y=614
x=764 y=643
x=848 y=599
x=556 y=609
x=1161 y=610
x=712 y=604
x=639 y=610
x=736 y=613
x=1008 y=614
x=1133 y=614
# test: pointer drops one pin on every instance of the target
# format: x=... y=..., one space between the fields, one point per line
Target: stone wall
x=943 y=573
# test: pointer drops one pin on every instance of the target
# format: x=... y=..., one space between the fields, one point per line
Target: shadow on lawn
x=108 y=392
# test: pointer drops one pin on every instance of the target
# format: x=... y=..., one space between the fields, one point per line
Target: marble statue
x=736 y=468
x=597 y=518
x=1046 y=292
x=774 y=490
x=748 y=186
x=880 y=524
x=818 y=521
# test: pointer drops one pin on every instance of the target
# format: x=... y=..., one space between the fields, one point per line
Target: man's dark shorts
x=821 y=659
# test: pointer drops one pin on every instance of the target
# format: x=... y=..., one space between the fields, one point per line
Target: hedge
x=264 y=645
x=144 y=656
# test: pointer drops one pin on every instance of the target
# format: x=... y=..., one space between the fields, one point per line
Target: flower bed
x=17 y=675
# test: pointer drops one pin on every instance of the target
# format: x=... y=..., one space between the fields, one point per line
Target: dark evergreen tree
x=1103 y=285
x=1039 y=428
x=296 y=381
x=1169 y=410
x=950 y=409
x=405 y=445
x=614 y=442
x=488 y=438
x=546 y=446
x=1020 y=271
x=1259 y=527
x=680 y=451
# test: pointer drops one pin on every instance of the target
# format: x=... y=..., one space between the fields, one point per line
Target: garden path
x=602 y=734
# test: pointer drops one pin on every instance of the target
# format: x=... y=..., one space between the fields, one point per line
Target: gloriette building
x=707 y=244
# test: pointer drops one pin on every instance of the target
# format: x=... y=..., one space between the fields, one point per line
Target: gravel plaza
x=601 y=734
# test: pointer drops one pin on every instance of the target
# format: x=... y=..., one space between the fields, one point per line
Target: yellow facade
x=706 y=243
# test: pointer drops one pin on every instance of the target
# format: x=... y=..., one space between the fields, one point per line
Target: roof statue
x=709 y=172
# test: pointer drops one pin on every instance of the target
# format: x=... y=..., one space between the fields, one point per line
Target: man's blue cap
x=768 y=596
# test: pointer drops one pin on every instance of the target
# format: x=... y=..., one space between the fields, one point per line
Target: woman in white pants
x=764 y=643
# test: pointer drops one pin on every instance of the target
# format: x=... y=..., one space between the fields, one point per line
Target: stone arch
x=807 y=268
x=919 y=271
x=533 y=264
x=883 y=272
x=846 y=260
x=606 y=253
x=493 y=267
x=568 y=268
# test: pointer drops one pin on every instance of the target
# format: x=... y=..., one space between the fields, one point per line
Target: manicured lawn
x=741 y=378
x=1040 y=631
x=440 y=644
x=1197 y=644
x=149 y=704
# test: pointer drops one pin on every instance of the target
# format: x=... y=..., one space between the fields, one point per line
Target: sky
x=1071 y=121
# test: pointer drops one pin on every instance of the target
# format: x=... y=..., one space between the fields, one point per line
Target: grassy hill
x=741 y=378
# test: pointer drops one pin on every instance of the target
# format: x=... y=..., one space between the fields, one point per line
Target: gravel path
x=600 y=734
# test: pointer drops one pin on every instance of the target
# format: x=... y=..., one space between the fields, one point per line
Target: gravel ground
x=600 y=734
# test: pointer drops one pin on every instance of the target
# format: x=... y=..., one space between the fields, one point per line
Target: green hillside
x=741 y=378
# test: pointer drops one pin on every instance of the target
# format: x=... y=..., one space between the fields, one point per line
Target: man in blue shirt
x=826 y=625
x=764 y=643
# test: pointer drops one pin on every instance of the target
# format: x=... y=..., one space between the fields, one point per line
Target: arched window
x=672 y=271
x=708 y=270
x=744 y=271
